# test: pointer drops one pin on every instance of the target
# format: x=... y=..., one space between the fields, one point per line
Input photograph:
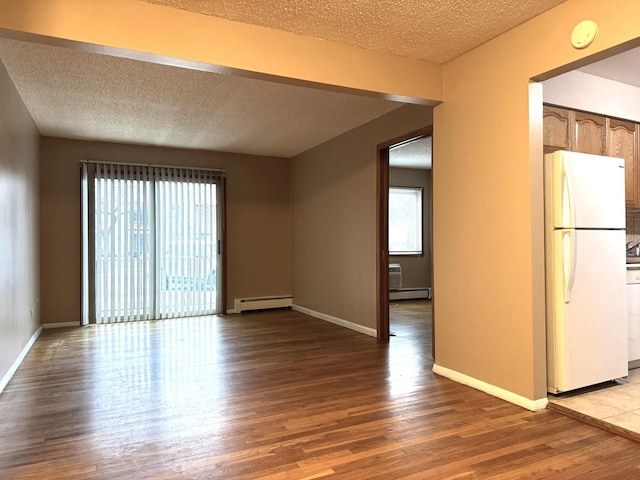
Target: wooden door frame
x=382 y=240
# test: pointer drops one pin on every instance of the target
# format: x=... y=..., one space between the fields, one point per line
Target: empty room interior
x=294 y=240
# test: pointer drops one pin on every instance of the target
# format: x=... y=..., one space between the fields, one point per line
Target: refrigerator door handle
x=568 y=262
x=568 y=213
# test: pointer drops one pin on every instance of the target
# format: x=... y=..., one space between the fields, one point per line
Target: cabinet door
x=623 y=142
x=556 y=125
x=590 y=134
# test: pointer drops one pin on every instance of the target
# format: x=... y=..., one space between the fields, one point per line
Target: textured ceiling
x=433 y=30
x=74 y=94
x=413 y=154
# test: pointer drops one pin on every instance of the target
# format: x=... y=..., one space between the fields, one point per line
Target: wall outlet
x=32 y=311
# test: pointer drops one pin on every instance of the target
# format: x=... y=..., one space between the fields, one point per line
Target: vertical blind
x=153 y=240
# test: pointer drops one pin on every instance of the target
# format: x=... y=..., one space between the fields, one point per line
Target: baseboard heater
x=410 y=293
x=395 y=276
x=261 y=303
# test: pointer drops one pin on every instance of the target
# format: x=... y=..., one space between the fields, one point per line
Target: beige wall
x=18 y=225
x=334 y=218
x=416 y=270
x=258 y=218
x=487 y=174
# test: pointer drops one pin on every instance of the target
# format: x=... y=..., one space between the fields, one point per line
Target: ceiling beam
x=160 y=34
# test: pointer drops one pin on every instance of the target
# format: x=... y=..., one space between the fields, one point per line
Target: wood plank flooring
x=275 y=395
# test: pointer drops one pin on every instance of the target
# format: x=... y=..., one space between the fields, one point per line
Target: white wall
x=583 y=91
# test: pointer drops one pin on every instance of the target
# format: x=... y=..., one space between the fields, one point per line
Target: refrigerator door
x=586 y=321
x=584 y=191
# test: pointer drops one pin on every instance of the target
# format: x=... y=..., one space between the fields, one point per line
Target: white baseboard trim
x=14 y=366
x=47 y=326
x=410 y=293
x=338 y=321
x=230 y=311
x=501 y=393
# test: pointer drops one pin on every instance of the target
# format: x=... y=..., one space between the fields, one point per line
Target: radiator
x=261 y=303
x=395 y=276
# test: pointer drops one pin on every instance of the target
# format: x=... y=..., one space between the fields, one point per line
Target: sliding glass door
x=153 y=242
x=186 y=247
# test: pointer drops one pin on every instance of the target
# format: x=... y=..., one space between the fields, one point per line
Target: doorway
x=607 y=127
x=405 y=277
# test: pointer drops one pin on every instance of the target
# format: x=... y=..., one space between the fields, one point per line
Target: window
x=405 y=221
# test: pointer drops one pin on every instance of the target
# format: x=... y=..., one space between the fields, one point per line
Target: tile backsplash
x=633 y=226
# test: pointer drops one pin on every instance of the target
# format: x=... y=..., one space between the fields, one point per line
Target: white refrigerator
x=585 y=270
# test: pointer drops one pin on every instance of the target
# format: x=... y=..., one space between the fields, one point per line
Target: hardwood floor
x=274 y=395
x=410 y=321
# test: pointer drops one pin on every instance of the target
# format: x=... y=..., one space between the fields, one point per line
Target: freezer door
x=584 y=191
x=586 y=315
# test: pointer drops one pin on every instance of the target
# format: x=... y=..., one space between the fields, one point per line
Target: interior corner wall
x=333 y=194
x=258 y=218
x=416 y=269
x=19 y=317
x=487 y=197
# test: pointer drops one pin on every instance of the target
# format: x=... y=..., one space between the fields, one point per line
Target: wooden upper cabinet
x=623 y=142
x=590 y=134
x=557 y=124
x=565 y=129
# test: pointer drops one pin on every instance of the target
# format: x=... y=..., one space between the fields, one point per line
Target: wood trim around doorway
x=382 y=230
x=382 y=243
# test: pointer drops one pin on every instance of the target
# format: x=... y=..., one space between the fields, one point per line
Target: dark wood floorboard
x=276 y=395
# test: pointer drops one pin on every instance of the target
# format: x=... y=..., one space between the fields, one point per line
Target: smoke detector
x=584 y=34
